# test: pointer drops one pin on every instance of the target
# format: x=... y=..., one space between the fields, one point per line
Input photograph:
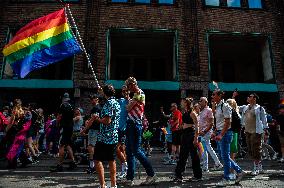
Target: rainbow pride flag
x=42 y=42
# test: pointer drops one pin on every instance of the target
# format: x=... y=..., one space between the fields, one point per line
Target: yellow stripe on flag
x=35 y=38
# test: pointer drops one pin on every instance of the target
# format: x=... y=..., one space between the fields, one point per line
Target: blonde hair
x=233 y=104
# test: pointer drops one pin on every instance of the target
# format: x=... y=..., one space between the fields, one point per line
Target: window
x=255 y=3
x=119 y=1
x=143 y=1
x=212 y=2
x=141 y=54
x=231 y=55
x=166 y=2
x=234 y=3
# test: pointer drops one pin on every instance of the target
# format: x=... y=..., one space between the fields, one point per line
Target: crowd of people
x=116 y=128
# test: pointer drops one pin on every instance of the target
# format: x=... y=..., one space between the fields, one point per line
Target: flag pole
x=82 y=44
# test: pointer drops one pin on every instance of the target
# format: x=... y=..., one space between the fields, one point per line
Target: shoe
x=111 y=187
x=166 y=159
x=205 y=170
x=255 y=172
x=281 y=160
x=275 y=156
x=35 y=160
x=194 y=179
x=72 y=166
x=150 y=180
x=127 y=183
x=170 y=162
x=260 y=169
x=232 y=176
x=217 y=167
x=240 y=176
x=122 y=175
x=90 y=170
x=58 y=168
x=177 y=179
x=224 y=183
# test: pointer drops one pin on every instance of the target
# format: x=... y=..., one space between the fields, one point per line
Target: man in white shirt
x=254 y=120
x=224 y=136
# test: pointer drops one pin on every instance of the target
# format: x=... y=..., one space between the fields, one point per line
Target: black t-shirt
x=66 y=122
x=186 y=118
x=96 y=110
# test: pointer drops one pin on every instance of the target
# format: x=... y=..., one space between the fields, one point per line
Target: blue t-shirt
x=123 y=113
x=108 y=133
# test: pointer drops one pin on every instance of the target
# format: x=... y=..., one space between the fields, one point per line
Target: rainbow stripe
x=43 y=41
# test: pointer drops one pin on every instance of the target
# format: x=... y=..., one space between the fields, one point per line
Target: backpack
x=236 y=122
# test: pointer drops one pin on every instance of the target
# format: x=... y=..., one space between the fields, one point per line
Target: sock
x=92 y=164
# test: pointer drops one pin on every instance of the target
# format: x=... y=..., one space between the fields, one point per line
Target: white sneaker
x=224 y=183
x=275 y=156
x=122 y=175
x=232 y=176
x=112 y=187
x=150 y=180
x=255 y=172
x=260 y=169
x=218 y=167
x=240 y=176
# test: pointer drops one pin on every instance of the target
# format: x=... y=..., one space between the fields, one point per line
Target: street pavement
x=38 y=175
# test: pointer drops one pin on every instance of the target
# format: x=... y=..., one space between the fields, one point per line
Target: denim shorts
x=92 y=137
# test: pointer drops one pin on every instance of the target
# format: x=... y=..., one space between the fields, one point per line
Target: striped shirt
x=137 y=112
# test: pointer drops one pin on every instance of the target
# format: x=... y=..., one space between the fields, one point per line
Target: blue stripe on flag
x=46 y=57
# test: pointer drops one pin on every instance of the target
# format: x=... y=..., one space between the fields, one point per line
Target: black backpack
x=236 y=125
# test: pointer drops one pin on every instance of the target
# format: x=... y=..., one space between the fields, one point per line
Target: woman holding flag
x=189 y=142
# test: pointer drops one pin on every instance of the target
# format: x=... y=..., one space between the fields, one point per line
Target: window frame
x=244 y=5
x=176 y=48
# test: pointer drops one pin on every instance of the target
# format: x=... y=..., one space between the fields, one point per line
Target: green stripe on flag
x=20 y=54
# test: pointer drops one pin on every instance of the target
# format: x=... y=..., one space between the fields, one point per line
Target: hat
x=66 y=97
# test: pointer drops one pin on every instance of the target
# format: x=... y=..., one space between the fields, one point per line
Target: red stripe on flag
x=39 y=25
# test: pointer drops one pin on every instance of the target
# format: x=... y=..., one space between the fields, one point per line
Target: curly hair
x=131 y=80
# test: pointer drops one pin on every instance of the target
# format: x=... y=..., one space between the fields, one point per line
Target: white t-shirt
x=222 y=114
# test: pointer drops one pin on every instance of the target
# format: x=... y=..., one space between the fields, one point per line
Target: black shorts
x=105 y=152
x=176 y=137
x=121 y=136
x=65 y=139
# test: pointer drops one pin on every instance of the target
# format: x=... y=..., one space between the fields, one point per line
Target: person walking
x=254 y=120
x=189 y=141
x=224 y=136
x=134 y=130
x=65 y=141
x=206 y=121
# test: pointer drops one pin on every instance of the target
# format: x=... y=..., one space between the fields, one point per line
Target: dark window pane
x=119 y=1
x=234 y=3
x=142 y=1
x=255 y=3
x=212 y=2
x=166 y=1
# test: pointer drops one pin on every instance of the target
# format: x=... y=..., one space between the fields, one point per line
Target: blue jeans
x=224 y=146
x=133 y=149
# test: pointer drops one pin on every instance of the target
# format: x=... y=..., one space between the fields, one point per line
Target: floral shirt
x=108 y=133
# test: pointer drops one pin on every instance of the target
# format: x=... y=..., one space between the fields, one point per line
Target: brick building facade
x=175 y=48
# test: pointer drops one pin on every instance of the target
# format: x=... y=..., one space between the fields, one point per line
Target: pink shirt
x=204 y=117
